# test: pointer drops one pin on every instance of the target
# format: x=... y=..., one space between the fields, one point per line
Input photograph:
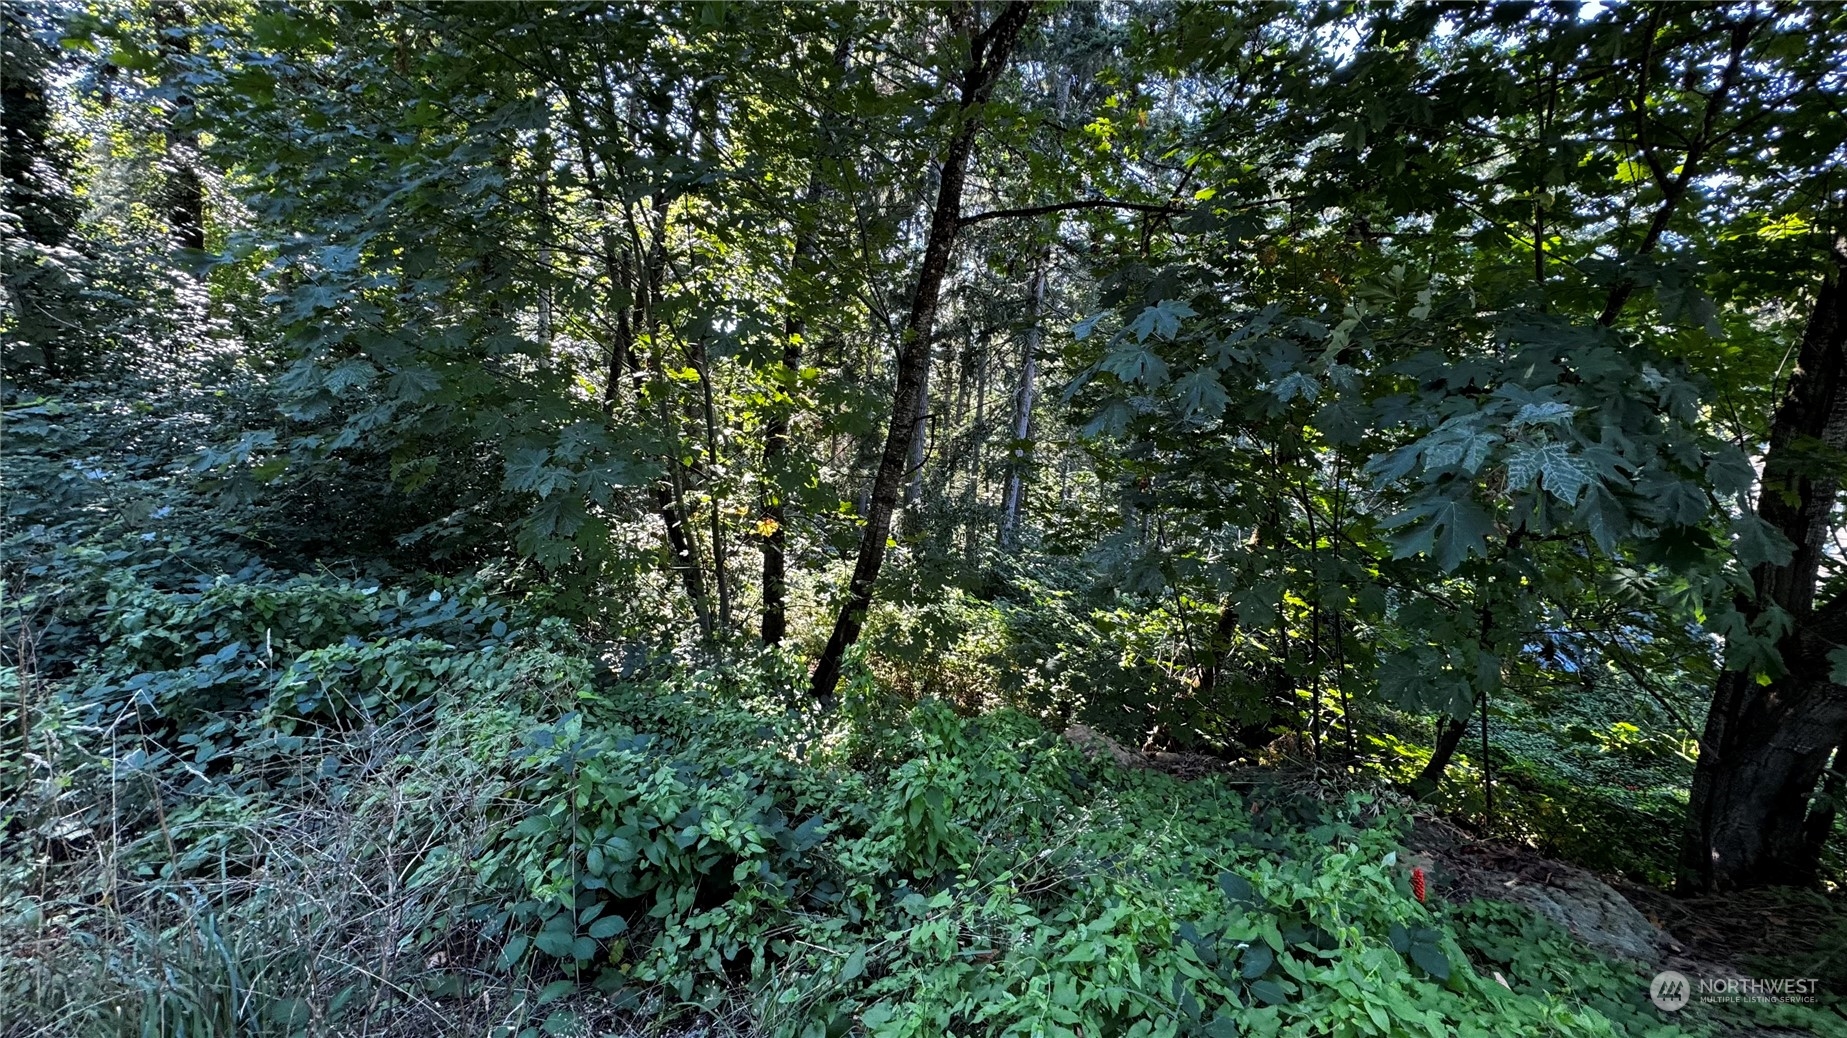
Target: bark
x=1012 y=497
x=720 y=572
x=1751 y=816
x=775 y=447
x=542 y=158
x=670 y=502
x=989 y=52
x=670 y=489
x=775 y=537
x=920 y=440
x=1447 y=741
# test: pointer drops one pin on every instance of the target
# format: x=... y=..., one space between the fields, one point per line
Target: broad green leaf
x=1604 y=518
x=1546 y=412
x=608 y=926
x=554 y=991
x=1837 y=666
x=348 y=375
x=1269 y=992
x=1565 y=476
x=1133 y=364
x=1112 y=420
x=556 y=941
x=1431 y=958
x=1160 y=321
x=1449 y=530
x=1461 y=444
x=1201 y=395
x=1224 y=1025
x=1256 y=961
x=1295 y=384
x=1758 y=543
x=1237 y=888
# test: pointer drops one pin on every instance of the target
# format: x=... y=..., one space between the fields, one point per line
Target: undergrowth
x=526 y=845
x=240 y=799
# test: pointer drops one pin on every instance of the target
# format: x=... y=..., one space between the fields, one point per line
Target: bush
x=983 y=877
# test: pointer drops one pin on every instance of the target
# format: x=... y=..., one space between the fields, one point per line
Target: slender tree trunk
x=776 y=448
x=720 y=576
x=1013 y=496
x=542 y=158
x=920 y=437
x=1454 y=728
x=1826 y=808
x=1750 y=818
x=989 y=51
x=1447 y=741
x=670 y=501
x=775 y=535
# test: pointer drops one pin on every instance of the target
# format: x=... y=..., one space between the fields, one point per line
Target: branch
x=1061 y=207
x=1672 y=191
x=1107 y=203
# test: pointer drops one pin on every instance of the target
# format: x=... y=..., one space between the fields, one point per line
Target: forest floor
x=287 y=802
x=1731 y=936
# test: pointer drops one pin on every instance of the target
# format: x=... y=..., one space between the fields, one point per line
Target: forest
x=1018 y=518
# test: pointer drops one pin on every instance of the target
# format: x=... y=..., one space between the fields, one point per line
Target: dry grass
x=332 y=891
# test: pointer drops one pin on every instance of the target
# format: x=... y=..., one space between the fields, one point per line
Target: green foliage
x=398 y=397
x=611 y=843
x=978 y=876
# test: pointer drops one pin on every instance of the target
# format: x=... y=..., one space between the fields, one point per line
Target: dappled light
x=1134 y=520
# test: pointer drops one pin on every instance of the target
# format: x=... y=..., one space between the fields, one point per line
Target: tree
x=1021 y=427
x=988 y=49
x=1753 y=818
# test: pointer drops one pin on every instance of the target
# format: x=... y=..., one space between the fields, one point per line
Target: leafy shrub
x=289 y=804
x=982 y=877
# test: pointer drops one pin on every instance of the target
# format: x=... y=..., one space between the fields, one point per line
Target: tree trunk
x=989 y=51
x=720 y=577
x=1013 y=493
x=920 y=435
x=775 y=536
x=1765 y=746
x=542 y=158
x=1447 y=741
x=670 y=490
x=1011 y=497
x=775 y=447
